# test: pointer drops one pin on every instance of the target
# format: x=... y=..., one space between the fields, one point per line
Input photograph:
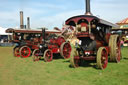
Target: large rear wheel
x=65 y=50
x=25 y=51
x=115 y=48
x=102 y=58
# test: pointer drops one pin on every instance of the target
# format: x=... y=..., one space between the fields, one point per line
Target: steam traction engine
x=95 y=40
x=52 y=45
x=27 y=40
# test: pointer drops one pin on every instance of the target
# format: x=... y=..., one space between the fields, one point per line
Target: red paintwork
x=55 y=44
x=31 y=40
x=90 y=52
x=55 y=50
x=25 y=52
x=107 y=36
x=49 y=55
x=107 y=49
x=84 y=34
x=89 y=58
x=67 y=50
x=76 y=19
x=76 y=61
x=104 y=59
x=118 y=51
x=34 y=38
x=99 y=44
x=85 y=58
x=60 y=40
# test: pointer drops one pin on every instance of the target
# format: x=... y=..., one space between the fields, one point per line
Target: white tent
x=2 y=31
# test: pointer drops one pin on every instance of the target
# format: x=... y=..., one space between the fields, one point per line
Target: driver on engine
x=92 y=44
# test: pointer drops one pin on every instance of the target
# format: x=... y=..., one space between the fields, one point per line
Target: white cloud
x=52 y=14
x=8 y=18
x=111 y=10
x=34 y=10
x=55 y=21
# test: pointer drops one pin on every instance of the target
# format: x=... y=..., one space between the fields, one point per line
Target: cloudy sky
x=53 y=13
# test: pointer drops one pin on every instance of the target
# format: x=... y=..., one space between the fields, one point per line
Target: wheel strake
x=115 y=49
x=35 y=55
x=102 y=58
x=48 y=55
x=65 y=50
x=74 y=58
x=16 y=52
x=25 y=51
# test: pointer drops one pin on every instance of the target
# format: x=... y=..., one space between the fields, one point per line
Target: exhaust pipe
x=28 y=23
x=21 y=20
x=43 y=36
x=88 y=11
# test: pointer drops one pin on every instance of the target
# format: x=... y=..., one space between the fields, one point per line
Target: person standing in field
x=122 y=42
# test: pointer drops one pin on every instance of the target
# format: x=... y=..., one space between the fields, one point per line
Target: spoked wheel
x=48 y=55
x=60 y=40
x=65 y=50
x=25 y=51
x=36 y=55
x=115 y=48
x=16 y=51
x=74 y=59
x=102 y=58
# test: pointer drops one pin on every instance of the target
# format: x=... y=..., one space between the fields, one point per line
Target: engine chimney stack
x=28 y=23
x=88 y=11
x=21 y=20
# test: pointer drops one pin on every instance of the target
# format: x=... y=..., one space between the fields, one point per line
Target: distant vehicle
x=27 y=40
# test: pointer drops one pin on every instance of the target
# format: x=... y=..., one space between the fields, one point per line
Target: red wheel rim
x=36 y=56
x=25 y=52
x=48 y=55
x=104 y=59
x=66 y=50
x=118 y=51
x=16 y=52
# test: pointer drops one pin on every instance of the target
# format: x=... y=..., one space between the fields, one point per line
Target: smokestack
x=28 y=23
x=88 y=11
x=21 y=20
x=43 y=35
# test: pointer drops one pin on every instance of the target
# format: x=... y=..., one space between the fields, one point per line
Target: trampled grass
x=23 y=71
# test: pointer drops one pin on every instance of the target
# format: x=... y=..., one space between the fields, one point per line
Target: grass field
x=20 y=71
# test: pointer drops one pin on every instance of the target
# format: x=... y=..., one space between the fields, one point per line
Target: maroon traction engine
x=95 y=40
x=27 y=40
x=52 y=45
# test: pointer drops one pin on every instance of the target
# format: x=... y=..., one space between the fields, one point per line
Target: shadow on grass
x=66 y=61
x=86 y=64
x=41 y=59
x=125 y=58
x=55 y=56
